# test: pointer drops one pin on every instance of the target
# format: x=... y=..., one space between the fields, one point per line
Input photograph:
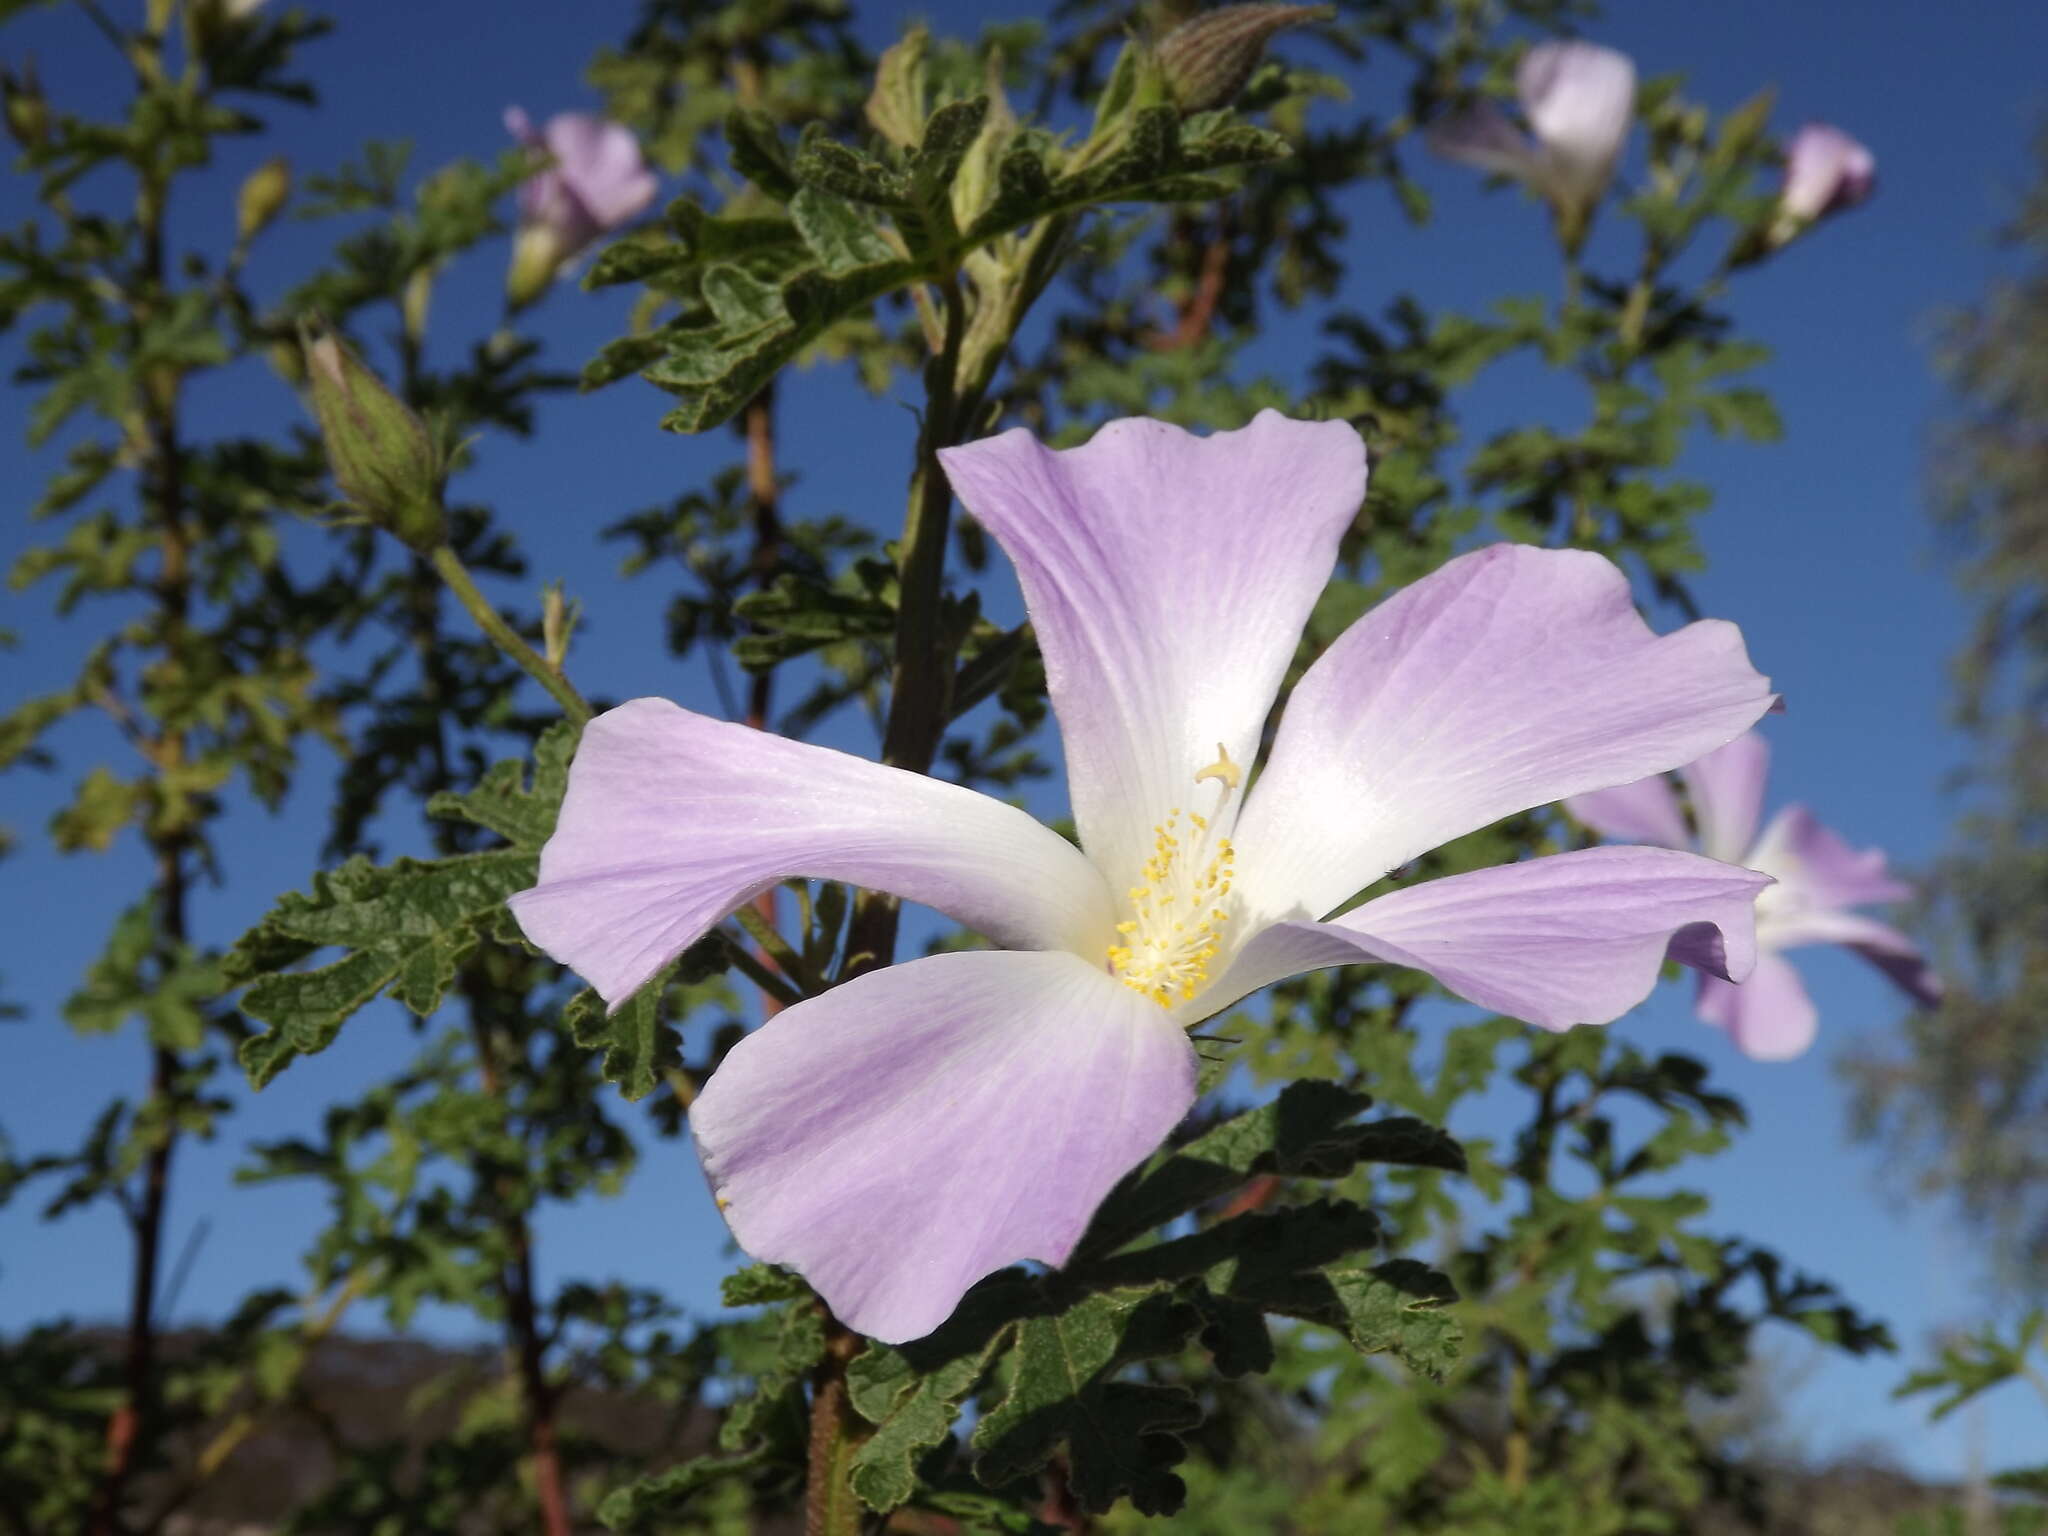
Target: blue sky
x=1818 y=546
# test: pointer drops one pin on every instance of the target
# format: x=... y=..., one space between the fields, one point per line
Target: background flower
x=1579 y=99
x=595 y=180
x=1819 y=878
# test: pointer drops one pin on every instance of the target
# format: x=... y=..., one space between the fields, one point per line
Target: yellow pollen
x=1178 y=915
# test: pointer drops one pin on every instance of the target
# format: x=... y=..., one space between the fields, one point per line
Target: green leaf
x=638 y=1044
x=843 y=237
x=1160 y=160
x=518 y=807
x=407 y=925
x=948 y=134
x=716 y=369
x=912 y=1393
x=1310 y=1130
x=668 y=1493
x=824 y=163
x=1397 y=1308
x=758 y=154
x=101 y=808
x=895 y=108
x=795 y=1341
x=759 y=1283
x=1122 y=1437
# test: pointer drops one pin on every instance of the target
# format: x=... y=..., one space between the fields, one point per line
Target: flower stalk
x=448 y=565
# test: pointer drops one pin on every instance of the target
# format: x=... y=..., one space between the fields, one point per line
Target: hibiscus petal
x=901 y=1136
x=602 y=164
x=1482 y=136
x=674 y=819
x=1769 y=1016
x=1643 y=812
x=1168 y=577
x=1820 y=868
x=1881 y=944
x=1580 y=99
x=1576 y=938
x=1511 y=678
x=1727 y=788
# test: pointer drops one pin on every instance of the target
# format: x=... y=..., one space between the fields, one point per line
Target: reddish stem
x=765 y=492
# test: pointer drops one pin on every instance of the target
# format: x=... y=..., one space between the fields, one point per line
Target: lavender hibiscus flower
x=1579 y=99
x=1819 y=878
x=1825 y=172
x=912 y=1130
x=594 y=182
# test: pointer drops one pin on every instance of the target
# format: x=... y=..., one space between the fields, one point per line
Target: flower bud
x=28 y=114
x=1207 y=59
x=1825 y=172
x=595 y=180
x=1579 y=99
x=381 y=454
x=419 y=296
x=557 y=623
x=264 y=193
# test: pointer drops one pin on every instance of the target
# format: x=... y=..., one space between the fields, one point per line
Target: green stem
x=922 y=679
x=776 y=985
x=504 y=636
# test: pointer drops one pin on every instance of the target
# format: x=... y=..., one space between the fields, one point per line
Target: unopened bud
x=381 y=454
x=264 y=193
x=27 y=112
x=1207 y=59
x=1826 y=171
x=419 y=293
x=557 y=623
x=538 y=251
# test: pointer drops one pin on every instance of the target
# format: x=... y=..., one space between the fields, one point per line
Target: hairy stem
x=536 y=666
x=921 y=681
x=764 y=492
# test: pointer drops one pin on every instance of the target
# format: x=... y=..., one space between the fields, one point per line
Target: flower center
x=1180 y=907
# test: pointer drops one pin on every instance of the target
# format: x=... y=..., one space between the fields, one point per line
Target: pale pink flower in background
x=594 y=180
x=912 y=1130
x=1819 y=878
x=1825 y=172
x=1579 y=99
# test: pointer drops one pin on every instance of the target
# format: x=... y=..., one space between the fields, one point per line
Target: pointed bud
x=28 y=113
x=419 y=294
x=1208 y=59
x=538 y=252
x=557 y=623
x=262 y=198
x=381 y=454
x=1825 y=172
